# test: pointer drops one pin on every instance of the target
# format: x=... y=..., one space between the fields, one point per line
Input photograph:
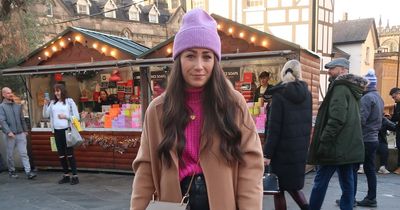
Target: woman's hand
x=46 y=102
x=62 y=116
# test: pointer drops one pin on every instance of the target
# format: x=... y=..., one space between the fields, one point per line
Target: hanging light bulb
x=169 y=50
x=46 y=54
x=230 y=30
x=241 y=34
x=104 y=49
x=54 y=48
x=78 y=38
x=113 y=53
x=253 y=39
x=264 y=43
x=94 y=45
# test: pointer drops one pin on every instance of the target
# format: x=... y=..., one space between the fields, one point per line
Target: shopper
x=289 y=129
x=200 y=126
x=371 y=123
x=337 y=139
x=395 y=93
x=15 y=129
x=61 y=110
x=383 y=149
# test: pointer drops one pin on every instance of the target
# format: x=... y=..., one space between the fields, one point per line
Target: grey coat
x=12 y=118
x=371 y=115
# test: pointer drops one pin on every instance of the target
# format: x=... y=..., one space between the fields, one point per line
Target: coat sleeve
x=3 y=121
x=23 y=122
x=366 y=107
x=337 y=114
x=274 y=126
x=143 y=187
x=249 y=192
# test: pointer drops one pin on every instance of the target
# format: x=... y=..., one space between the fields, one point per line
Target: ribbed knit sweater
x=190 y=154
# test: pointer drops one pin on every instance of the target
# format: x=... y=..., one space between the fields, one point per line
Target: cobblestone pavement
x=104 y=191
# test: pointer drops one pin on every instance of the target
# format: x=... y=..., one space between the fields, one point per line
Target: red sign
x=58 y=77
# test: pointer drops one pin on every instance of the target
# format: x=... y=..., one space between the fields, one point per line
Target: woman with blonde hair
x=289 y=129
x=199 y=129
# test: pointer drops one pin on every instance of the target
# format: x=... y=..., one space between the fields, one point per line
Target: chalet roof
x=124 y=44
x=352 y=31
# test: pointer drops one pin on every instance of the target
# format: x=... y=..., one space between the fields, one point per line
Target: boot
x=64 y=179
x=74 y=180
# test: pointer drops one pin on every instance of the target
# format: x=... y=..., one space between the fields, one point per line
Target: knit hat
x=371 y=77
x=199 y=30
x=293 y=67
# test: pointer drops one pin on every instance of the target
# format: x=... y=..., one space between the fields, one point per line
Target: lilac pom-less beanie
x=198 y=30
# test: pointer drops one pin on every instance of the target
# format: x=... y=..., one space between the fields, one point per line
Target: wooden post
x=145 y=91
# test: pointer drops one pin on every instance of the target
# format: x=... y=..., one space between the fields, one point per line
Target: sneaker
x=383 y=170
x=74 y=180
x=361 y=169
x=367 y=203
x=354 y=204
x=64 y=179
x=31 y=175
x=397 y=171
x=12 y=174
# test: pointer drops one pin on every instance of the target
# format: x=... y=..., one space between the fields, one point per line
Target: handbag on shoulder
x=270 y=182
x=163 y=205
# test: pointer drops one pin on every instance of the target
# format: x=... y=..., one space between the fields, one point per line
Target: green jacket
x=337 y=137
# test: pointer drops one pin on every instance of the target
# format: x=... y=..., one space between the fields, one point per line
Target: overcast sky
x=387 y=9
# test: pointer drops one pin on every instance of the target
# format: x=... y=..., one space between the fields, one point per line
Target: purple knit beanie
x=198 y=30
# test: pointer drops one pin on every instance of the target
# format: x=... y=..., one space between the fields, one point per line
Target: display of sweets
x=258 y=113
x=128 y=116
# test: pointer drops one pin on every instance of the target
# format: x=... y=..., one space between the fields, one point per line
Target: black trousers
x=65 y=154
x=198 y=199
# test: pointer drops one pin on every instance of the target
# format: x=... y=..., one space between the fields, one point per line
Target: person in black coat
x=289 y=130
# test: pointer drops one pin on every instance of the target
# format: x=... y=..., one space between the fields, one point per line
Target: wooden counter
x=102 y=150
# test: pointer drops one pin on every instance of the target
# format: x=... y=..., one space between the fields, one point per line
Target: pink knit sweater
x=193 y=134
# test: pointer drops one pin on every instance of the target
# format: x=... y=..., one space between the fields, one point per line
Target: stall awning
x=102 y=65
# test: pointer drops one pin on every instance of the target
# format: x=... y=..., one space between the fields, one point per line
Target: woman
x=103 y=100
x=199 y=126
x=60 y=111
x=289 y=128
x=263 y=90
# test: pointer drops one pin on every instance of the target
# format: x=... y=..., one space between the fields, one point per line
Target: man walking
x=371 y=122
x=15 y=130
x=337 y=140
x=395 y=93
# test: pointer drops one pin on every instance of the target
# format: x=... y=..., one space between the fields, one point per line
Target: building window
x=254 y=3
x=367 y=56
x=49 y=9
x=153 y=18
x=110 y=14
x=83 y=9
x=198 y=4
x=134 y=15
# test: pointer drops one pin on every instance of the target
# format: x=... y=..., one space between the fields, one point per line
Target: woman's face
x=103 y=96
x=57 y=93
x=197 y=65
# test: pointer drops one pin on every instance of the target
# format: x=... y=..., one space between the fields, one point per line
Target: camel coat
x=229 y=187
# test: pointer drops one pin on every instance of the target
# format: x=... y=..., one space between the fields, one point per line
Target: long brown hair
x=219 y=109
x=64 y=93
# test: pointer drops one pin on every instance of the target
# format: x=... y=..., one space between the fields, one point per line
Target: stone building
x=147 y=22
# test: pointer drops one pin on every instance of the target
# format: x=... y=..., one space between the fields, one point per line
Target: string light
x=113 y=53
x=94 y=45
x=69 y=39
x=230 y=30
x=54 y=48
x=253 y=39
x=219 y=26
x=39 y=58
x=241 y=34
x=62 y=44
x=104 y=49
x=169 y=50
x=78 y=38
x=264 y=43
x=46 y=53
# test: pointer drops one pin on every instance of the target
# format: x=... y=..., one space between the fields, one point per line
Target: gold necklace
x=192 y=117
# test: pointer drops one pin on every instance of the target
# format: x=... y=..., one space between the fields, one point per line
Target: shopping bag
x=73 y=137
x=53 y=144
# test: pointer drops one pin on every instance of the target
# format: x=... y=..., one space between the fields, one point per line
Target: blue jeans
x=321 y=181
x=369 y=168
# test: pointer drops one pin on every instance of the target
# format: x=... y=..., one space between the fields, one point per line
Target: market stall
x=112 y=137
